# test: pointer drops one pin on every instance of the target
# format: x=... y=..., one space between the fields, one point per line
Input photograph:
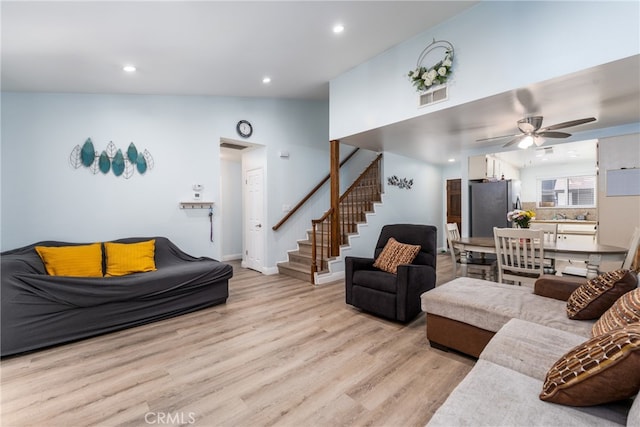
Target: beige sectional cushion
x=633 y=420
x=490 y=305
x=529 y=348
x=492 y=395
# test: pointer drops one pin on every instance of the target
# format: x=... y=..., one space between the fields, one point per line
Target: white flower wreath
x=424 y=78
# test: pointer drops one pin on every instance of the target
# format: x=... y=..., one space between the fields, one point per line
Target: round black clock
x=244 y=128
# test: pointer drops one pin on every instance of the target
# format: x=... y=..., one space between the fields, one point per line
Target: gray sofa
x=39 y=310
x=525 y=335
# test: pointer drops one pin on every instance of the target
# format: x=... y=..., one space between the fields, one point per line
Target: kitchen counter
x=573 y=230
x=565 y=221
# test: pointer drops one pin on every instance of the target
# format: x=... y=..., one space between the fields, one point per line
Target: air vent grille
x=438 y=94
x=232 y=146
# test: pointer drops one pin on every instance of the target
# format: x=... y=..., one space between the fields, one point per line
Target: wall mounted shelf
x=196 y=205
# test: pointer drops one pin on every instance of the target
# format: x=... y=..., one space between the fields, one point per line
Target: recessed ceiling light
x=451 y=160
x=266 y=80
x=338 y=28
x=129 y=68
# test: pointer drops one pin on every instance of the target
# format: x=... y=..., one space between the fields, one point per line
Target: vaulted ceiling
x=202 y=47
x=225 y=48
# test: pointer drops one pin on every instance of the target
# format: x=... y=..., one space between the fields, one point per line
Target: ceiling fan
x=533 y=133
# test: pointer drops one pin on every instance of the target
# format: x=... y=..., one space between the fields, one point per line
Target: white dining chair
x=520 y=254
x=550 y=236
x=483 y=266
x=634 y=247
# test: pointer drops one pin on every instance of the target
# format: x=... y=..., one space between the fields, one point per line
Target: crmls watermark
x=170 y=418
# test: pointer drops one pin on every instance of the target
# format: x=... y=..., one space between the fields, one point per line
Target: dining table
x=592 y=253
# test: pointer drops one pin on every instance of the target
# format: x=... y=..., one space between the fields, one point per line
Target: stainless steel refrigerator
x=489 y=203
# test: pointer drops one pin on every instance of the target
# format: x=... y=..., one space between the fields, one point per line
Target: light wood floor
x=279 y=352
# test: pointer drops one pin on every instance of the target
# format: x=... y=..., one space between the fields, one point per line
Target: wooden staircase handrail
x=358 y=180
x=348 y=191
x=311 y=193
x=373 y=168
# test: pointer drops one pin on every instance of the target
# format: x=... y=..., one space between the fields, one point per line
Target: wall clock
x=244 y=128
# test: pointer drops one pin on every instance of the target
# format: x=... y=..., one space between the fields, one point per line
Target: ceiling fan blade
x=498 y=137
x=569 y=124
x=554 y=134
x=513 y=141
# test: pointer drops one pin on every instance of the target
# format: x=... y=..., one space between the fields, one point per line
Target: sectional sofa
x=519 y=335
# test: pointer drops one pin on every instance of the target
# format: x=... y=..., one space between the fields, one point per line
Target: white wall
x=43 y=197
x=231 y=205
x=617 y=215
x=493 y=42
x=419 y=205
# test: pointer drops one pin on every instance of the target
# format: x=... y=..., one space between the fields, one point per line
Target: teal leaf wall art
x=132 y=153
x=117 y=165
x=104 y=162
x=87 y=153
x=141 y=164
x=111 y=159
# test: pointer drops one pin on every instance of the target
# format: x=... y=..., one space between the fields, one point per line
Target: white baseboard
x=231 y=257
x=322 y=279
x=268 y=271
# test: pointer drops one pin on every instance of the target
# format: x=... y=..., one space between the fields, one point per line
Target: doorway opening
x=241 y=239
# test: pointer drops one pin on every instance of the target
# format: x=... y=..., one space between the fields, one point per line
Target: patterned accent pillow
x=603 y=369
x=623 y=312
x=394 y=254
x=592 y=299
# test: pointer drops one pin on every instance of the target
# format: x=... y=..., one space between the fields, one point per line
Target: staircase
x=355 y=203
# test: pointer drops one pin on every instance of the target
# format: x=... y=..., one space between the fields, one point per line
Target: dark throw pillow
x=603 y=369
x=592 y=299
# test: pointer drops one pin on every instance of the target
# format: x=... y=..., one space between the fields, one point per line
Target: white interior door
x=254 y=250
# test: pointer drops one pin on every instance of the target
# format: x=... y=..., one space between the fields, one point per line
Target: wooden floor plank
x=280 y=352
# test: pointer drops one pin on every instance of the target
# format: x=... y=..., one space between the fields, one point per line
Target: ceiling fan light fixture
x=530 y=124
x=526 y=142
x=538 y=140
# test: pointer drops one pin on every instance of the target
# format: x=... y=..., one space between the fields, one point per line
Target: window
x=573 y=191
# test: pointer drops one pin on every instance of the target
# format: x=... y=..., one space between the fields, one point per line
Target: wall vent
x=439 y=94
x=232 y=146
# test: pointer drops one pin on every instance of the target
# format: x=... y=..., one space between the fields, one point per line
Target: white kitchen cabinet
x=478 y=167
x=577 y=232
x=574 y=231
x=577 y=238
x=481 y=167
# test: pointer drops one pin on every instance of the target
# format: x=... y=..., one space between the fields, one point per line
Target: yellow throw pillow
x=395 y=254
x=128 y=258
x=76 y=261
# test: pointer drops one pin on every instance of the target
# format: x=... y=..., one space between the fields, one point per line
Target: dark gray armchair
x=394 y=296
